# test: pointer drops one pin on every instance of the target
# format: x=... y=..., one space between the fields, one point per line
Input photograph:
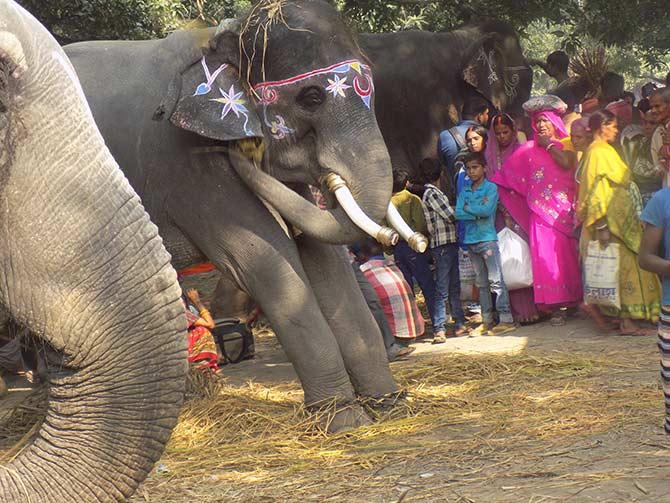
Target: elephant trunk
x=361 y=175
x=118 y=323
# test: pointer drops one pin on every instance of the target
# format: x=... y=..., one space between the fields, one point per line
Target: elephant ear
x=213 y=102
x=484 y=68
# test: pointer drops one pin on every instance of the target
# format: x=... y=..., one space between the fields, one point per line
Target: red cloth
x=396 y=298
x=623 y=112
x=196 y=269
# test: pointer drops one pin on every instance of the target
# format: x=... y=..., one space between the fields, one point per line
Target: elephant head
x=84 y=269
x=290 y=72
x=494 y=66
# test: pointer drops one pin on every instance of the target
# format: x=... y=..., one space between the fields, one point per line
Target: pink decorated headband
x=362 y=82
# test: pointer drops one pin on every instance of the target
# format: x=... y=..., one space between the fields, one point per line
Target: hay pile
x=256 y=443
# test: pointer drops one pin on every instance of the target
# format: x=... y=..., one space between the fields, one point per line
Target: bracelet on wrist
x=601 y=227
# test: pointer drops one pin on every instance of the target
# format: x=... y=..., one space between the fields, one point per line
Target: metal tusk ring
x=418 y=242
x=334 y=181
x=387 y=236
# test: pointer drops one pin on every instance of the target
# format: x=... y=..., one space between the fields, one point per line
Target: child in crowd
x=476 y=208
x=414 y=265
x=444 y=248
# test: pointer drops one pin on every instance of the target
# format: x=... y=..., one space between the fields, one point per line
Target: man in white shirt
x=659 y=102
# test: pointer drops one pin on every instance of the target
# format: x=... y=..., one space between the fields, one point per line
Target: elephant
x=217 y=130
x=84 y=269
x=423 y=78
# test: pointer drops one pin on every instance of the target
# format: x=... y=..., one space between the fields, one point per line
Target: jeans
x=486 y=262
x=415 y=265
x=374 y=305
x=447 y=286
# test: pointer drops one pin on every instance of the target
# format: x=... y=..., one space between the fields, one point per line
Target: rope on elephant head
x=273 y=13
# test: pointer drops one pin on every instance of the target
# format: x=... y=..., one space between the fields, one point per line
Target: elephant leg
x=343 y=305
x=264 y=261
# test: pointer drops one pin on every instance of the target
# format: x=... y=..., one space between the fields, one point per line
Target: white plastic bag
x=517 y=267
x=601 y=275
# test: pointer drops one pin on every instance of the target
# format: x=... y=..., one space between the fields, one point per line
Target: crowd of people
x=557 y=187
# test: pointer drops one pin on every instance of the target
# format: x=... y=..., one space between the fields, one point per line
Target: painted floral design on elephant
x=206 y=87
x=232 y=101
x=337 y=77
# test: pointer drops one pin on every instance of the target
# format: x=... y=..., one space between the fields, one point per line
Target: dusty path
x=546 y=414
x=561 y=414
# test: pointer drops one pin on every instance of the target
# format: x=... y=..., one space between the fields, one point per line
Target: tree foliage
x=637 y=27
x=75 y=20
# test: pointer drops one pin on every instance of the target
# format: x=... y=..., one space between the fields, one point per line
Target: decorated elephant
x=423 y=78
x=217 y=129
x=84 y=269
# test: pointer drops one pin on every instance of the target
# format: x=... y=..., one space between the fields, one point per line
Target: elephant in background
x=84 y=269
x=288 y=78
x=422 y=80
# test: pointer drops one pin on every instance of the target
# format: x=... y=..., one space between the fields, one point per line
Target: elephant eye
x=311 y=97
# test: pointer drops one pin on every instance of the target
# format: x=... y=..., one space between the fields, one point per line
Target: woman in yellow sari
x=608 y=208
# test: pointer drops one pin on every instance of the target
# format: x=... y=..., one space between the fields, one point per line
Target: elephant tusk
x=385 y=235
x=417 y=241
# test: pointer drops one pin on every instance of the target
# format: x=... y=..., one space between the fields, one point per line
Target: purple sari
x=540 y=195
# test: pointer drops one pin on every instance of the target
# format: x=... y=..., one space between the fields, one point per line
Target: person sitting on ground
x=394 y=349
x=444 y=249
x=202 y=350
x=414 y=265
x=395 y=295
x=655 y=257
x=476 y=207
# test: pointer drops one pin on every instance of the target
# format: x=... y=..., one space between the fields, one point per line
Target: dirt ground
x=621 y=460
x=544 y=414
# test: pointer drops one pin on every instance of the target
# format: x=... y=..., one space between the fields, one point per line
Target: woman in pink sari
x=503 y=142
x=537 y=188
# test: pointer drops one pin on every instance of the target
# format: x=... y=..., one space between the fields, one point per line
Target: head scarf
x=552 y=117
x=530 y=181
x=495 y=156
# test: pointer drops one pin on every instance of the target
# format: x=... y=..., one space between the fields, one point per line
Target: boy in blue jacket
x=476 y=208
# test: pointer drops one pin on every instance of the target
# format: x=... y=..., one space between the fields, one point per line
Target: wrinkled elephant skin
x=84 y=269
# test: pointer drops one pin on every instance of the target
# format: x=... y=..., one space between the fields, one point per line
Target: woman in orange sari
x=202 y=352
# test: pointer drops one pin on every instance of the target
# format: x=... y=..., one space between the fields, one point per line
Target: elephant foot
x=378 y=405
x=342 y=417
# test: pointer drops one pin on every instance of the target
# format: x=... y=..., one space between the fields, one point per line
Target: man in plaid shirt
x=444 y=248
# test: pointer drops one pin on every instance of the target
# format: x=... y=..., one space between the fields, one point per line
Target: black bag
x=235 y=340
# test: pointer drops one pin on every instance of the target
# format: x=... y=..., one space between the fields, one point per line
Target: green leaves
x=639 y=27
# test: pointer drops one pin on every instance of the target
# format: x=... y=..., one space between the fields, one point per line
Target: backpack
x=235 y=340
x=458 y=161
